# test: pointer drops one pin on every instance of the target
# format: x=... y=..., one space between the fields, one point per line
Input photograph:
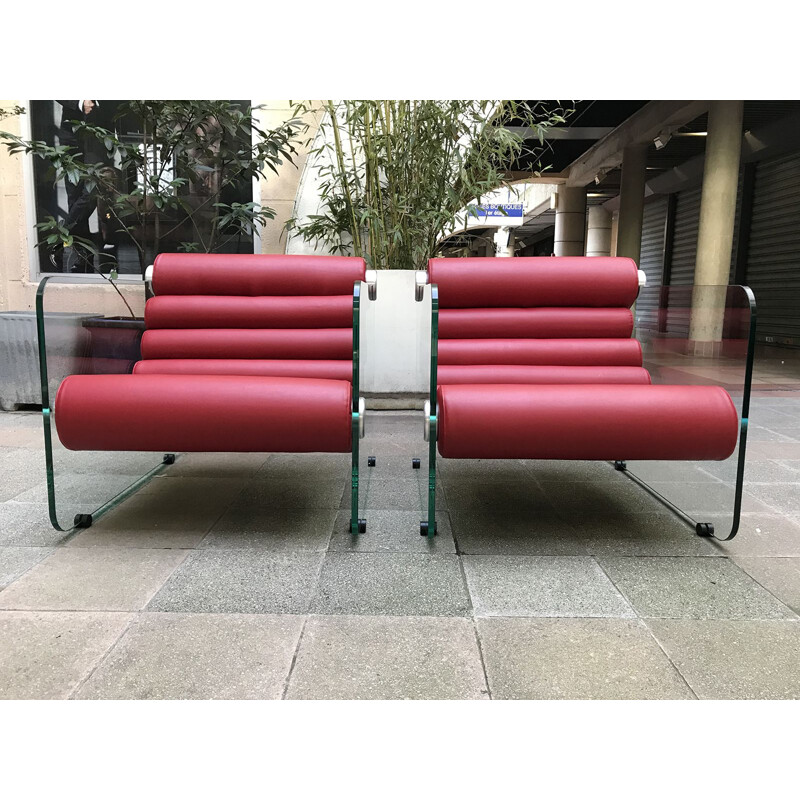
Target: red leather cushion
x=254 y=275
x=501 y=373
x=533 y=282
x=202 y=311
x=203 y=413
x=534 y=323
x=319 y=343
x=288 y=368
x=597 y=422
x=561 y=352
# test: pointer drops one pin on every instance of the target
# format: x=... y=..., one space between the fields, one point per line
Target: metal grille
x=651 y=260
x=773 y=259
x=684 y=242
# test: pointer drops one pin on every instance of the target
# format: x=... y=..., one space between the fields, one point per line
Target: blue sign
x=503 y=210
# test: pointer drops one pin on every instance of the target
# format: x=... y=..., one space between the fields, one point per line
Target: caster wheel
x=415 y=463
x=169 y=458
x=83 y=520
x=705 y=529
x=423 y=529
x=362 y=526
x=620 y=465
x=371 y=461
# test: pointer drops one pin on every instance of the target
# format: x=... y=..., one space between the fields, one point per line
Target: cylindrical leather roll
x=198 y=311
x=275 y=343
x=514 y=373
x=597 y=422
x=535 y=323
x=534 y=282
x=204 y=413
x=552 y=352
x=255 y=275
x=277 y=368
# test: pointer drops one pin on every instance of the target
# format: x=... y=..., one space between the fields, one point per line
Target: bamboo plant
x=395 y=174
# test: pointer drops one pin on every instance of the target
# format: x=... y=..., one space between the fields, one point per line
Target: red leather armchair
x=241 y=353
x=533 y=359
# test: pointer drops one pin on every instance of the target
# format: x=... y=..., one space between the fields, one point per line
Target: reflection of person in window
x=81 y=203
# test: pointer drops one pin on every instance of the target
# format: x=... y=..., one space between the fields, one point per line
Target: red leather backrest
x=237 y=307
x=536 y=311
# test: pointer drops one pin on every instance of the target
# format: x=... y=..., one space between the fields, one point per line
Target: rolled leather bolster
x=204 y=413
x=597 y=422
x=276 y=368
x=512 y=373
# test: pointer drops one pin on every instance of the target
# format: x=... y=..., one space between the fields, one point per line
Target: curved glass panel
x=699 y=335
x=85 y=328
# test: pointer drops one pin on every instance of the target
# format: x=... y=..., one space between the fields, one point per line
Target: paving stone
x=216 y=466
x=96 y=579
x=734 y=659
x=698 y=588
x=14 y=561
x=758 y=535
x=392 y=531
x=513 y=534
x=102 y=535
x=27 y=525
x=45 y=655
x=246 y=581
x=758 y=472
x=577 y=659
x=298 y=493
x=643 y=535
x=198 y=657
x=391 y=583
x=576 y=501
x=554 y=471
x=783 y=498
x=397 y=495
x=305 y=467
x=780 y=576
x=702 y=499
x=453 y=470
x=678 y=471
x=21 y=470
x=276 y=529
x=541 y=586
x=388 y=658
x=479 y=497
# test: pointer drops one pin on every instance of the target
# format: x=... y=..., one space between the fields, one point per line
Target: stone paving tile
x=305 y=467
x=101 y=534
x=576 y=659
x=783 y=498
x=679 y=471
x=479 y=497
x=21 y=469
x=707 y=498
x=275 y=529
x=697 y=588
x=45 y=655
x=243 y=581
x=643 y=535
x=27 y=525
x=92 y=579
x=14 y=561
x=511 y=534
x=198 y=657
x=781 y=576
x=296 y=493
x=453 y=470
x=239 y=466
x=734 y=660
x=758 y=535
x=542 y=586
x=90 y=489
x=575 y=501
x=391 y=583
x=757 y=472
x=392 y=531
x=388 y=658
x=552 y=471
x=399 y=494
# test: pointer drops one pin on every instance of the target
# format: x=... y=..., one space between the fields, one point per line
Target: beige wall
x=18 y=291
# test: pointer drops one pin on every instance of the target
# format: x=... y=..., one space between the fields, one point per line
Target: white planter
x=395 y=338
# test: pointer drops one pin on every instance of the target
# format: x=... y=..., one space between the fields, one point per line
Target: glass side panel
x=699 y=335
x=85 y=328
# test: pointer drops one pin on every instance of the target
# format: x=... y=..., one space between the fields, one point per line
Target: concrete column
x=717 y=215
x=614 y=232
x=570 y=221
x=631 y=202
x=598 y=233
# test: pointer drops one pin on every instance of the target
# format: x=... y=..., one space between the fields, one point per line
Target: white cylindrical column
x=570 y=221
x=598 y=232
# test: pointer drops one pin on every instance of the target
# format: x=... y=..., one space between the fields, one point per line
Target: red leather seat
x=535 y=360
x=246 y=353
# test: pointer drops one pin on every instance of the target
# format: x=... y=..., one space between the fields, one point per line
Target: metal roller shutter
x=773 y=258
x=684 y=242
x=651 y=261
